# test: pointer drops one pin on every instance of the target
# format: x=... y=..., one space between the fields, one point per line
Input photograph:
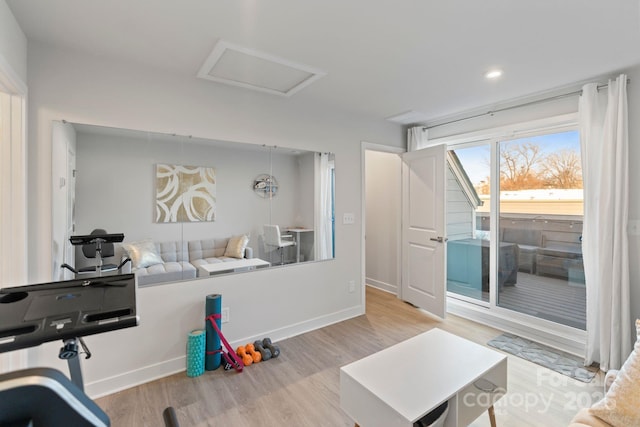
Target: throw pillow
x=621 y=405
x=143 y=253
x=235 y=246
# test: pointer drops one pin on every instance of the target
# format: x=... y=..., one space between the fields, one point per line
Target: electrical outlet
x=348 y=218
x=352 y=286
x=225 y=315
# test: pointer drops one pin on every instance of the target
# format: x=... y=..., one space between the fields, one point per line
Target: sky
x=475 y=160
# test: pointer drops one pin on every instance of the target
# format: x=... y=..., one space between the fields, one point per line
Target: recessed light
x=493 y=74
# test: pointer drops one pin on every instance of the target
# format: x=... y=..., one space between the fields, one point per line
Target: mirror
x=184 y=204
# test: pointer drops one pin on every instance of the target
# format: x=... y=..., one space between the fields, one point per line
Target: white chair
x=273 y=238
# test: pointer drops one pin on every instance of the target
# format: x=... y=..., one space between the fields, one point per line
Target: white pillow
x=143 y=253
x=621 y=405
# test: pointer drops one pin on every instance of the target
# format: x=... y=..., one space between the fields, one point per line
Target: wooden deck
x=544 y=297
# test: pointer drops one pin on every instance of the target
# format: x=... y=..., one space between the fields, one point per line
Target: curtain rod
x=526 y=104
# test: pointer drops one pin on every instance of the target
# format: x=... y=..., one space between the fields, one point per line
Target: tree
x=520 y=166
x=563 y=169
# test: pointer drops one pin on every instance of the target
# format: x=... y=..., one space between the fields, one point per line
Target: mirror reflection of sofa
x=159 y=262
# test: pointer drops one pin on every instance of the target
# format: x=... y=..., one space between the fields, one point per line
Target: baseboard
x=387 y=287
x=136 y=377
x=156 y=371
x=564 y=339
x=306 y=326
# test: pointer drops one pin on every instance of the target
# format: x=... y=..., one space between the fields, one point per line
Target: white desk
x=228 y=266
x=297 y=232
x=399 y=385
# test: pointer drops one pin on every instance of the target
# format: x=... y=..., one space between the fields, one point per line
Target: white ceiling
x=382 y=57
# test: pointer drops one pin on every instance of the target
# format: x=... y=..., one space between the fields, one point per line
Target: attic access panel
x=251 y=69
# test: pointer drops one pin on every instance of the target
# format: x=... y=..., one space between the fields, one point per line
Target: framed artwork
x=185 y=193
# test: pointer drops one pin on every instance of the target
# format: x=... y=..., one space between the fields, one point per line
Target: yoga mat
x=213 y=306
x=195 y=352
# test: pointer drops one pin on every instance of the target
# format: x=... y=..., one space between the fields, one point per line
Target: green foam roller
x=195 y=352
x=212 y=358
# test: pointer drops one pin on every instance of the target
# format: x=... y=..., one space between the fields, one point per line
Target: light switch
x=348 y=218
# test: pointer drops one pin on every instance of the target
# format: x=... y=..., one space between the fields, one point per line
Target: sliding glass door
x=468 y=198
x=521 y=250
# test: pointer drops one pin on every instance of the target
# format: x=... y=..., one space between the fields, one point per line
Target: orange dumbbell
x=254 y=354
x=246 y=359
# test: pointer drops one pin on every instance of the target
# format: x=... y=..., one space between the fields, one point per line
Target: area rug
x=563 y=363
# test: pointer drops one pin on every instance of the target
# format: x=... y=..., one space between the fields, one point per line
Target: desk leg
x=297 y=247
x=492 y=416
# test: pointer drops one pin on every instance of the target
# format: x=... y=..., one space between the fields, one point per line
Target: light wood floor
x=301 y=387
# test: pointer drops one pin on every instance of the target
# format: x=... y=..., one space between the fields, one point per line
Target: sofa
x=561 y=260
x=212 y=251
x=170 y=261
x=528 y=241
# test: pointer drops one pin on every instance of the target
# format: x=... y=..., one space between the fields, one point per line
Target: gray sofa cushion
x=172 y=251
x=208 y=248
x=175 y=265
x=168 y=272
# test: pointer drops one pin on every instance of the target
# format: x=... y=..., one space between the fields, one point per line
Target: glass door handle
x=439 y=239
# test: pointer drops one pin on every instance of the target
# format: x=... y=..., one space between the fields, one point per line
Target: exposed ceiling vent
x=239 y=66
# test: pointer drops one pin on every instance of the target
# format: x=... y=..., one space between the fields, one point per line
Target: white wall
x=278 y=302
x=13 y=44
x=633 y=93
x=383 y=200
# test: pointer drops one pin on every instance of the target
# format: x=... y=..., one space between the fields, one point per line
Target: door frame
x=364 y=147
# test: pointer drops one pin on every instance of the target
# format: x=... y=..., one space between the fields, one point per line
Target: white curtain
x=324 y=209
x=417 y=138
x=13 y=204
x=604 y=146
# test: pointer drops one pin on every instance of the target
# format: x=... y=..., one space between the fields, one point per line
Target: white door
x=423 y=228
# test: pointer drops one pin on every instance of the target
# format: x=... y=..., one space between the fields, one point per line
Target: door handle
x=439 y=239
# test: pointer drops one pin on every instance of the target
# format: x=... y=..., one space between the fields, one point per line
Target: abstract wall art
x=185 y=193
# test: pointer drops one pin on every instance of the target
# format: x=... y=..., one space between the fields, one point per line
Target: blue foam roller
x=195 y=352
x=213 y=306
